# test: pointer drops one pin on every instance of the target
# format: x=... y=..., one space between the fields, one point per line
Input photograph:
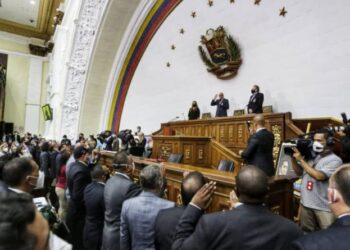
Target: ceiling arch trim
x=156 y=16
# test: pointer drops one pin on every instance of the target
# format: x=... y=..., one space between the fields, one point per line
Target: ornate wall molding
x=87 y=25
x=130 y=34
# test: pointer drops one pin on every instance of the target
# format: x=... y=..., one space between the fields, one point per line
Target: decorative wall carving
x=277 y=133
x=90 y=18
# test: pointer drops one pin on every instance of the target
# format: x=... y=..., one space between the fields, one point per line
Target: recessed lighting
x=32 y=2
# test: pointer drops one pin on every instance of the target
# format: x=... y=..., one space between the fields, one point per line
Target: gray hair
x=151 y=178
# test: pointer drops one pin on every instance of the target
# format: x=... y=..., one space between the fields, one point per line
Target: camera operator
x=315 y=212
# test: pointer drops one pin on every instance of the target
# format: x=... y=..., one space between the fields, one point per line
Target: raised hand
x=203 y=197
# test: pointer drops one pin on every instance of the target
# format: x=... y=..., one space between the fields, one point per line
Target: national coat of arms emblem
x=221 y=54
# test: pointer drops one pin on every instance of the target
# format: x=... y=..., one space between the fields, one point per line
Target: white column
x=33 y=109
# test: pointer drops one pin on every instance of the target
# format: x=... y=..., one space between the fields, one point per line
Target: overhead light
x=32 y=2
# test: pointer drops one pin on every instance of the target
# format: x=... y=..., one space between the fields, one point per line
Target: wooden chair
x=175 y=158
x=206 y=115
x=226 y=165
x=267 y=109
x=238 y=112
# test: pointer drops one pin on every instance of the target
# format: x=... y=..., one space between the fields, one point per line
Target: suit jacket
x=53 y=155
x=221 y=107
x=165 y=227
x=334 y=237
x=256 y=102
x=118 y=189
x=259 y=151
x=138 y=219
x=45 y=164
x=246 y=227
x=78 y=178
x=95 y=211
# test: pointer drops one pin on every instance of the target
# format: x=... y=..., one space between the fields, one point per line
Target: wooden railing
x=218 y=152
x=279 y=199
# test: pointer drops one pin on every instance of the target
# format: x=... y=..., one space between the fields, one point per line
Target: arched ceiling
x=115 y=23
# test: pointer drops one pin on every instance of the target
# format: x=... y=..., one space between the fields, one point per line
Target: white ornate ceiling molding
x=131 y=32
x=88 y=23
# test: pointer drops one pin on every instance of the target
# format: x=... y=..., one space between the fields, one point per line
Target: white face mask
x=317 y=147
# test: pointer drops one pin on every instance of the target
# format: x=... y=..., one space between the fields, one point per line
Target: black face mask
x=253 y=91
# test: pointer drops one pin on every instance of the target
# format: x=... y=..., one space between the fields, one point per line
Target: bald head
x=259 y=120
x=190 y=185
x=341 y=181
x=252 y=185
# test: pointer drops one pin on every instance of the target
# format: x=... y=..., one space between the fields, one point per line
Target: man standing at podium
x=256 y=101
x=260 y=145
x=221 y=104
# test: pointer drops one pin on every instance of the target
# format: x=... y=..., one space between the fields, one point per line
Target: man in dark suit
x=256 y=101
x=260 y=146
x=248 y=225
x=118 y=188
x=222 y=105
x=337 y=235
x=21 y=175
x=167 y=219
x=78 y=178
x=95 y=208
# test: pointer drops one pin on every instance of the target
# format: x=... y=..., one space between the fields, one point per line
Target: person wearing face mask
x=4 y=149
x=256 y=101
x=337 y=235
x=222 y=105
x=315 y=212
x=260 y=146
x=22 y=175
x=78 y=177
x=194 y=112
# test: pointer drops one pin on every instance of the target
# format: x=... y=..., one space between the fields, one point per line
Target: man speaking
x=221 y=104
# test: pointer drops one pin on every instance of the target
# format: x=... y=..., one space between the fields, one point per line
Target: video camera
x=303 y=145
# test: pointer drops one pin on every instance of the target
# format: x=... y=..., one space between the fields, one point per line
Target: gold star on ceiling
x=283 y=12
x=257 y=2
x=168 y=64
x=173 y=47
x=193 y=14
x=210 y=3
x=182 y=31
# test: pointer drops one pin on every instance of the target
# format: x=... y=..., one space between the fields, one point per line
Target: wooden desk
x=279 y=199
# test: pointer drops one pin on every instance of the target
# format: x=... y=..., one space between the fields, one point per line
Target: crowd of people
x=90 y=206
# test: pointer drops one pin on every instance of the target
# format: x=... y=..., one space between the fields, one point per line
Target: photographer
x=315 y=211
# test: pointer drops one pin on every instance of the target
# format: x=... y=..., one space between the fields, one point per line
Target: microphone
x=174 y=119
